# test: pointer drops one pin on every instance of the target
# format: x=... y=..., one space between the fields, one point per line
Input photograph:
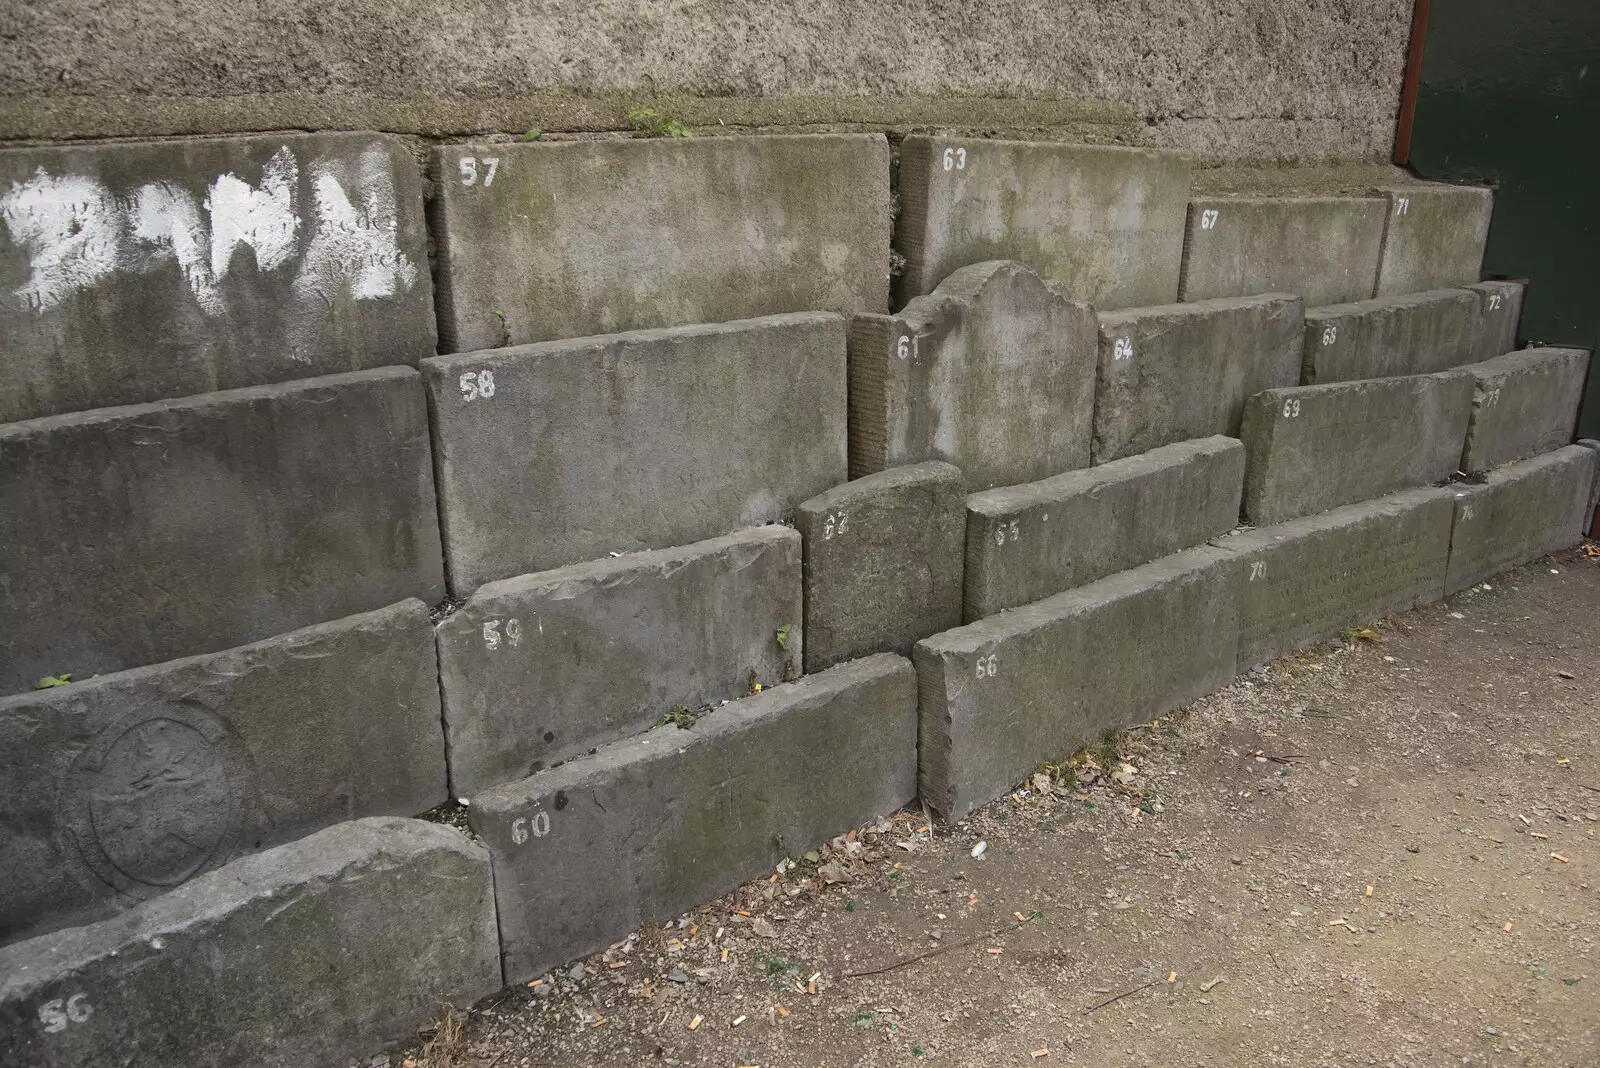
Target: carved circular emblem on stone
x=157 y=798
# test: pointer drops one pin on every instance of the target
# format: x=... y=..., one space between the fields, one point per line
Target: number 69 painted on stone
x=1291 y=409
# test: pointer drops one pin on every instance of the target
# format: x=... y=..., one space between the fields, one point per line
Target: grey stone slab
x=643 y=829
x=303 y=956
x=1412 y=334
x=1106 y=223
x=116 y=789
x=565 y=239
x=1524 y=403
x=1323 y=249
x=1000 y=696
x=1312 y=448
x=1519 y=513
x=135 y=535
x=992 y=372
x=1434 y=237
x=544 y=667
x=138 y=271
x=1313 y=578
x=882 y=562
x=1499 y=315
x=1181 y=371
x=1594 y=490
x=561 y=452
x=1028 y=542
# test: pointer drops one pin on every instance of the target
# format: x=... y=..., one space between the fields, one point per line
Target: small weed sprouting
x=532 y=135
x=783 y=638
x=505 y=334
x=63 y=679
x=648 y=122
x=681 y=716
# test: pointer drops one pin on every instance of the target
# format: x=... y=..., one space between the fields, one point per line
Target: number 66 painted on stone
x=988 y=666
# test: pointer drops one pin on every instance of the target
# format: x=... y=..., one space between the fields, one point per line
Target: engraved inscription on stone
x=155 y=799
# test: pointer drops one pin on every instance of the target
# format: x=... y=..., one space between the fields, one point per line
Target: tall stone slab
x=571 y=238
x=304 y=956
x=135 y=535
x=1412 y=334
x=119 y=788
x=1025 y=543
x=643 y=829
x=999 y=696
x=1323 y=249
x=1106 y=223
x=1519 y=513
x=882 y=562
x=1183 y=371
x=1312 y=448
x=544 y=667
x=993 y=372
x=1499 y=316
x=139 y=271
x=1434 y=237
x=1312 y=578
x=561 y=452
x=1524 y=403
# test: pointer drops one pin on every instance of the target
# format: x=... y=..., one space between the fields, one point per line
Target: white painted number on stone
x=1494 y=302
x=469 y=170
x=902 y=348
x=1258 y=569
x=836 y=523
x=1291 y=409
x=57 y=1013
x=955 y=159
x=1330 y=334
x=1402 y=205
x=988 y=666
x=1122 y=349
x=491 y=632
x=522 y=827
x=475 y=384
x=1006 y=532
x=1208 y=219
x=1490 y=396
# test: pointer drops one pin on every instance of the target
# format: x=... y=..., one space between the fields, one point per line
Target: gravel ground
x=1380 y=851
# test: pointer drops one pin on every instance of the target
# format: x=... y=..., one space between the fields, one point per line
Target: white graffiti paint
x=76 y=232
x=72 y=229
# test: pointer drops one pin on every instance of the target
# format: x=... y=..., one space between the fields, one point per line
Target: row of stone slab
x=143 y=271
x=236 y=515
x=343 y=941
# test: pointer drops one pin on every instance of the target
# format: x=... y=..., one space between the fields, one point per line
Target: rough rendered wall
x=1237 y=79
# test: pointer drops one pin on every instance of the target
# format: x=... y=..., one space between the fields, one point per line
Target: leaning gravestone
x=116 y=789
x=134 y=535
x=993 y=372
x=1105 y=223
x=303 y=956
x=1434 y=237
x=571 y=238
x=562 y=452
x=1181 y=371
x=544 y=667
x=134 y=272
x=1324 y=249
x=1000 y=696
x=1311 y=578
x=1029 y=542
x=641 y=830
x=1412 y=334
x=882 y=562
x=1524 y=403
x=1312 y=448
x=1520 y=512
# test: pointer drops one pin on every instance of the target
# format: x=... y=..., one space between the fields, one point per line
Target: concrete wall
x=1251 y=79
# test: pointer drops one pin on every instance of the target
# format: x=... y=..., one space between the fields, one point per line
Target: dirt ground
x=1381 y=852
